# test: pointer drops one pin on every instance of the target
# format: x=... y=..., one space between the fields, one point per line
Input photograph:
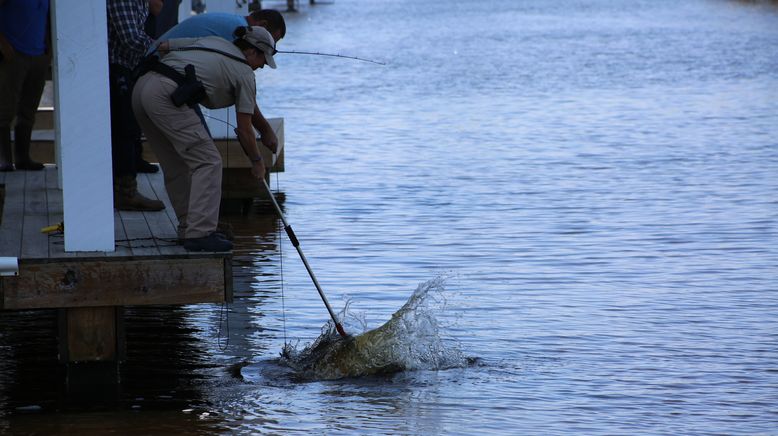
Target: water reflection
x=30 y=375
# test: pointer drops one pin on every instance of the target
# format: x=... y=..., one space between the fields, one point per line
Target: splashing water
x=410 y=340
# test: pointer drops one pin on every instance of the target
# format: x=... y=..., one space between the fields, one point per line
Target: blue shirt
x=220 y=24
x=24 y=25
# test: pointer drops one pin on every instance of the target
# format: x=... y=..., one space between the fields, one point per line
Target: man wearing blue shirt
x=223 y=24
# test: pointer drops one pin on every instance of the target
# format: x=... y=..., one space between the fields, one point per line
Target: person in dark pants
x=127 y=43
x=24 y=62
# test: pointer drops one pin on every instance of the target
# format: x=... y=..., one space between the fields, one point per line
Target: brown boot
x=22 y=138
x=127 y=197
x=6 y=159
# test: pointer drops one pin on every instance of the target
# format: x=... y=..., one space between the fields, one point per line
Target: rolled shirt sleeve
x=245 y=95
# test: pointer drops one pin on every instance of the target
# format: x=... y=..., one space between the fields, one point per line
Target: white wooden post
x=82 y=122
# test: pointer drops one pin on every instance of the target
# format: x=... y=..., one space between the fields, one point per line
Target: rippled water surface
x=595 y=181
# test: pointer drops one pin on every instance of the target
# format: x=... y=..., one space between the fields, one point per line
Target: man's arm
x=267 y=135
x=248 y=141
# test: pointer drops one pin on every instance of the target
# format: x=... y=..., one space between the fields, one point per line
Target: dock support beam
x=91 y=344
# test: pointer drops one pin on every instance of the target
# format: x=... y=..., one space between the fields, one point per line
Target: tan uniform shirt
x=226 y=80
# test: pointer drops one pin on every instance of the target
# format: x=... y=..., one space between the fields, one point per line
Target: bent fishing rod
x=293 y=239
x=334 y=55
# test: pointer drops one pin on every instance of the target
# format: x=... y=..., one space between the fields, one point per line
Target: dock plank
x=162 y=225
x=35 y=245
x=121 y=248
x=139 y=237
x=13 y=215
x=55 y=211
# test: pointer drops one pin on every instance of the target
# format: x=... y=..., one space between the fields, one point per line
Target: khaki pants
x=189 y=158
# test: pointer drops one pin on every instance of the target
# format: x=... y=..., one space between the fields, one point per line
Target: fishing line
x=219 y=119
x=281 y=264
x=334 y=55
x=224 y=309
x=280 y=248
x=224 y=320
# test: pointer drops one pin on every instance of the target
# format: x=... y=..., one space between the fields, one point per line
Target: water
x=597 y=180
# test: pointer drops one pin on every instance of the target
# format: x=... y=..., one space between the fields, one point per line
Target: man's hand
x=163 y=48
x=155 y=7
x=270 y=140
x=266 y=133
x=248 y=141
x=258 y=169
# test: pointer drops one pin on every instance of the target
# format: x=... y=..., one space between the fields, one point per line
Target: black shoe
x=212 y=242
x=148 y=168
x=225 y=230
x=6 y=167
x=218 y=233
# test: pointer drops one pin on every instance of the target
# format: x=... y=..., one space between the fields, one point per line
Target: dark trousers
x=125 y=132
x=22 y=79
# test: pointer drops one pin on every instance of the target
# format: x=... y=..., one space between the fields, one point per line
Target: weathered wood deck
x=147 y=267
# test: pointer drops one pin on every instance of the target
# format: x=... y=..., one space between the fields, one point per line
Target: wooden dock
x=148 y=267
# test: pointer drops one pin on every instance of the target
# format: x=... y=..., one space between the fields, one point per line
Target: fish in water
x=409 y=340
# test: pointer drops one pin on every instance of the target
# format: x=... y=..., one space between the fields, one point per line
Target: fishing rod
x=296 y=244
x=334 y=55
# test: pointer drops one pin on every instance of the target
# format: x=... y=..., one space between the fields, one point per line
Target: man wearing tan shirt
x=190 y=161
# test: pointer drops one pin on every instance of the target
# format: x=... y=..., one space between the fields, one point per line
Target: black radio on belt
x=190 y=91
